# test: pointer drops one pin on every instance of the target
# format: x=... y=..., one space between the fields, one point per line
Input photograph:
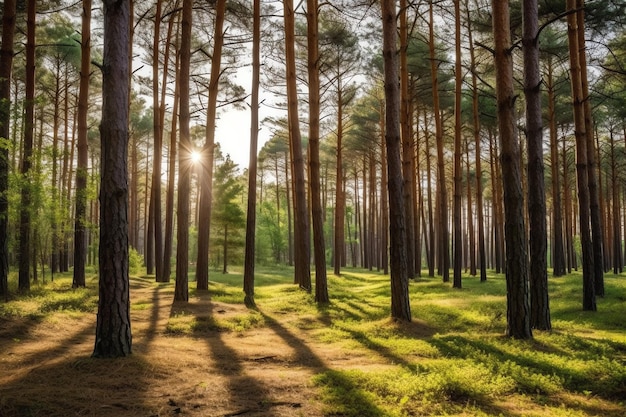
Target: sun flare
x=195 y=157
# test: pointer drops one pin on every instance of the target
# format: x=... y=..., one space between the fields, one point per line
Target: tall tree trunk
x=208 y=153
x=29 y=130
x=558 y=254
x=154 y=215
x=443 y=233
x=171 y=171
x=518 y=303
x=431 y=224
x=184 y=159
x=340 y=195
x=482 y=256
x=400 y=307
x=80 y=222
x=301 y=215
x=617 y=235
x=321 y=288
x=113 y=330
x=582 y=163
x=594 y=199
x=539 y=300
x=248 y=271
x=407 y=141
x=458 y=175
x=6 y=67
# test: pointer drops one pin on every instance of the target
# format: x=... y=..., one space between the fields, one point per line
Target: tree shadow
x=340 y=390
x=534 y=375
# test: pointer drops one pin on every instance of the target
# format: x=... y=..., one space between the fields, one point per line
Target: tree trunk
x=301 y=215
x=208 y=153
x=518 y=306
x=558 y=254
x=443 y=233
x=321 y=288
x=458 y=186
x=29 y=128
x=113 y=330
x=80 y=222
x=340 y=195
x=400 y=307
x=154 y=216
x=6 y=67
x=582 y=165
x=184 y=159
x=407 y=142
x=594 y=199
x=539 y=300
x=171 y=171
x=248 y=272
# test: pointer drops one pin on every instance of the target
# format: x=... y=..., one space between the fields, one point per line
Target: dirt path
x=47 y=369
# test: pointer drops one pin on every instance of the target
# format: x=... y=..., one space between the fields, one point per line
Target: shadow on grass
x=543 y=369
x=340 y=393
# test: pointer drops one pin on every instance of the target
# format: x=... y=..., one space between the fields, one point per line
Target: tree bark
x=458 y=186
x=154 y=221
x=539 y=300
x=301 y=216
x=321 y=287
x=594 y=199
x=443 y=233
x=6 y=67
x=407 y=142
x=248 y=271
x=181 y=292
x=208 y=153
x=518 y=305
x=80 y=222
x=29 y=129
x=582 y=163
x=113 y=330
x=558 y=253
x=400 y=307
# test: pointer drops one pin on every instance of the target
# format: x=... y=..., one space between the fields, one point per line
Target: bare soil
x=47 y=369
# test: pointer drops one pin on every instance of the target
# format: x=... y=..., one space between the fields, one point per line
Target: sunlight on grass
x=452 y=359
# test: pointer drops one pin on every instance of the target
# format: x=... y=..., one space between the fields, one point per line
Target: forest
x=384 y=208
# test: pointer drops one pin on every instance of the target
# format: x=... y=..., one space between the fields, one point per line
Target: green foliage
x=135 y=261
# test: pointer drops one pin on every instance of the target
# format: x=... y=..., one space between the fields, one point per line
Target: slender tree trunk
x=154 y=216
x=400 y=307
x=443 y=233
x=113 y=330
x=80 y=225
x=6 y=66
x=302 y=266
x=248 y=273
x=321 y=288
x=171 y=171
x=208 y=153
x=29 y=129
x=184 y=159
x=594 y=199
x=539 y=300
x=582 y=163
x=340 y=195
x=458 y=175
x=558 y=257
x=518 y=302
x=407 y=141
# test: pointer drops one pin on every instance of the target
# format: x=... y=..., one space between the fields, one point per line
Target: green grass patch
x=453 y=359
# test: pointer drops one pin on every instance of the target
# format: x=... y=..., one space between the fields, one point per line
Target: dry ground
x=46 y=368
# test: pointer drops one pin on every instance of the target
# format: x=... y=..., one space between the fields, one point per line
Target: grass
x=453 y=359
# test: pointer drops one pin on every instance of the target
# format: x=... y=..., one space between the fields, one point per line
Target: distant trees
x=327 y=77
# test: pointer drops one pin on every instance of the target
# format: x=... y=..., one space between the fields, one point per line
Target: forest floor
x=214 y=357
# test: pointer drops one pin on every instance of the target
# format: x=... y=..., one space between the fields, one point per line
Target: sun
x=195 y=157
